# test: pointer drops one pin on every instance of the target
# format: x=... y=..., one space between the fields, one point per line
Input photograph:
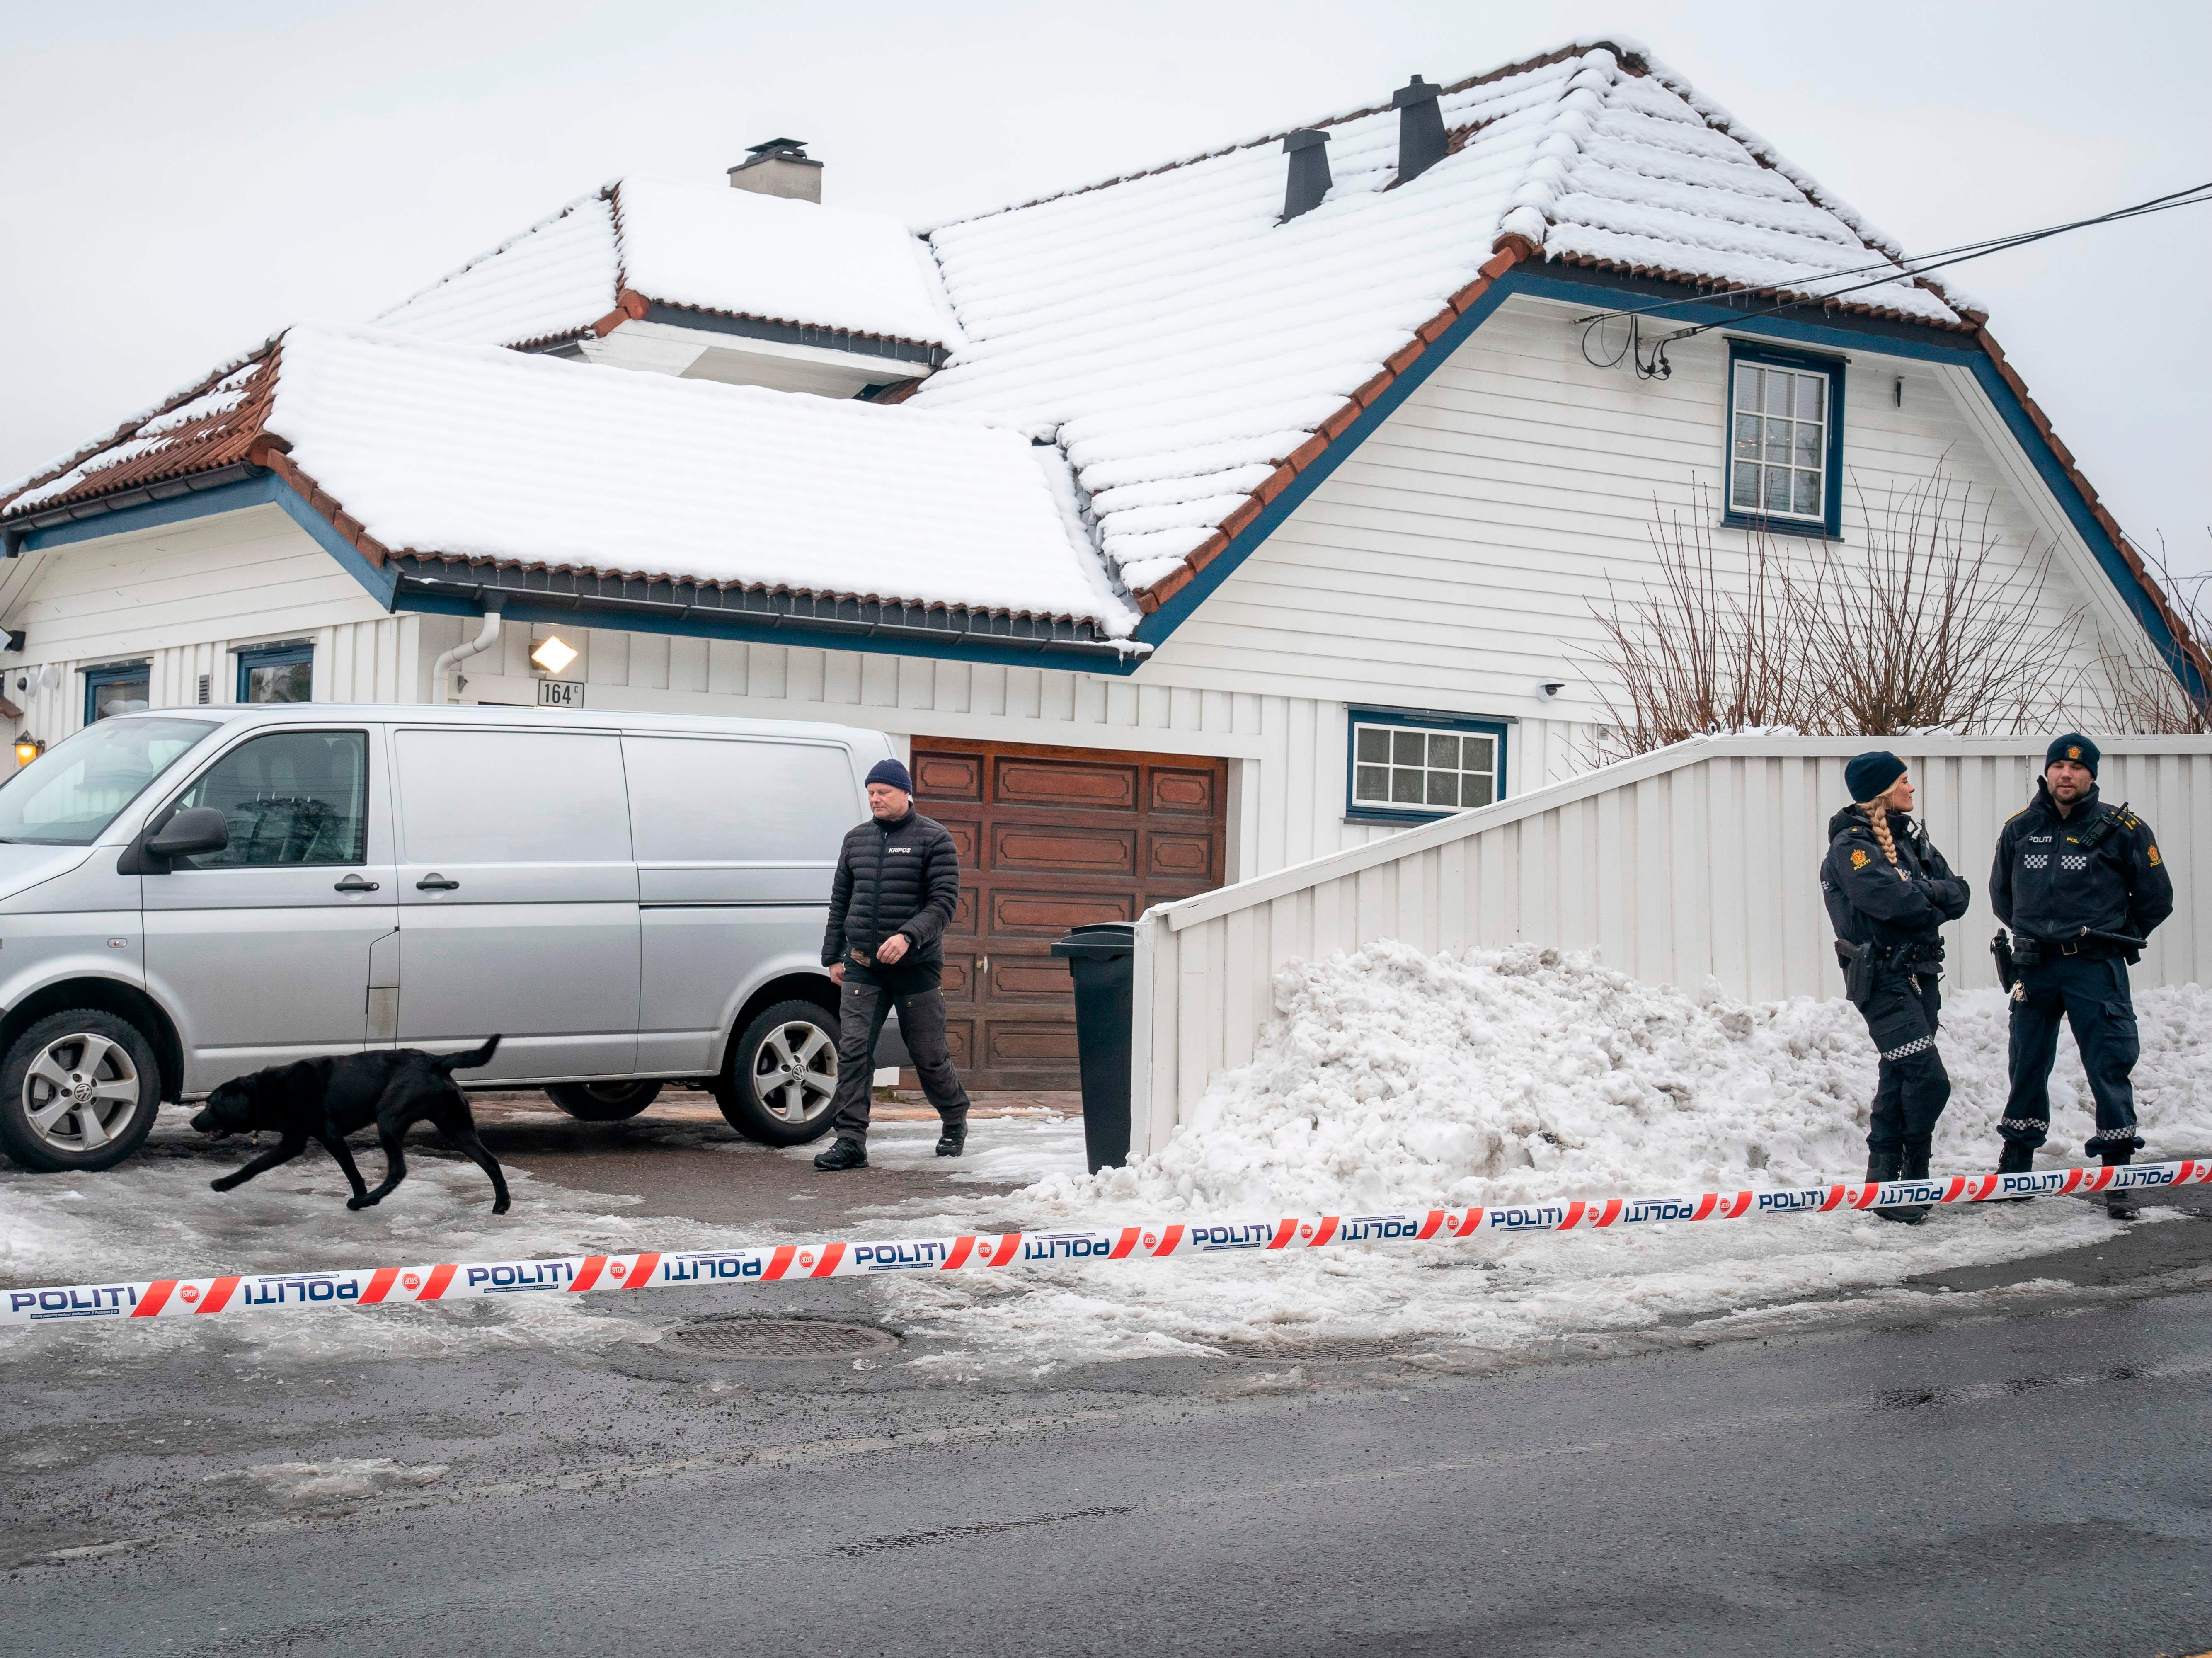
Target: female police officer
x=1888 y=892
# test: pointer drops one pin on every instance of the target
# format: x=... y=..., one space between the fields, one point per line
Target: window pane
x=1443 y=788
x=1744 y=491
x=1778 y=490
x=68 y=795
x=1474 y=791
x=1809 y=493
x=1374 y=745
x=1480 y=754
x=1808 y=446
x=1443 y=751
x=1777 y=443
x=1746 y=437
x=1406 y=748
x=1810 y=388
x=1747 y=387
x=1778 y=392
x=1406 y=788
x=292 y=797
x=279 y=682
x=114 y=697
x=1371 y=783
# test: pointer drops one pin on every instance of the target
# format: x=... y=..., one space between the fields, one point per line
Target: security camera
x=1550 y=689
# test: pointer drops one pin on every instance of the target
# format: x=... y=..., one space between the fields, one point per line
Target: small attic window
x=1785 y=443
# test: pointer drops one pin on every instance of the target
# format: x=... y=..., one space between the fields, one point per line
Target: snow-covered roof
x=726 y=251
x=1183 y=342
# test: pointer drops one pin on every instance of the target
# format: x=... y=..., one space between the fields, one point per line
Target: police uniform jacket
x=1868 y=905
x=897 y=877
x=2054 y=877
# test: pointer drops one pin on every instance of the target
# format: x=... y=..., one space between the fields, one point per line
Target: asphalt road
x=2021 y=1468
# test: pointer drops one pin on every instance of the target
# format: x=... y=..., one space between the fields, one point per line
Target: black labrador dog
x=325 y=1100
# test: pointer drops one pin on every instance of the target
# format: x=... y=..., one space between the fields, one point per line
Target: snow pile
x=155 y=433
x=1397 y=1080
x=476 y=451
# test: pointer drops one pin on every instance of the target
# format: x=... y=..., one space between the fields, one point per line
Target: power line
x=1655 y=366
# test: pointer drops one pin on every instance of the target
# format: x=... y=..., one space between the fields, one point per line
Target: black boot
x=1915 y=1167
x=843 y=1154
x=953 y=1140
x=1883 y=1167
x=2015 y=1159
x=2121 y=1205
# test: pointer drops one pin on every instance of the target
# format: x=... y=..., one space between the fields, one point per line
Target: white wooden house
x=1128 y=510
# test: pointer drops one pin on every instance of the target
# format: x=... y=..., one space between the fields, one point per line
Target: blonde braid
x=1878 y=816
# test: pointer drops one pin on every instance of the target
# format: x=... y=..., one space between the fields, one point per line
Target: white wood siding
x=1452 y=561
x=1699 y=860
x=179 y=598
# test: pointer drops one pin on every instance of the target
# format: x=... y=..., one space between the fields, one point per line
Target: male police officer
x=2081 y=884
x=897 y=883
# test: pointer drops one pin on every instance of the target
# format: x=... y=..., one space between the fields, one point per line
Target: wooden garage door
x=1050 y=839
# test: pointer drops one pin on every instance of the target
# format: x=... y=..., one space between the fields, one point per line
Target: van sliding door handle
x=355 y=883
x=436 y=883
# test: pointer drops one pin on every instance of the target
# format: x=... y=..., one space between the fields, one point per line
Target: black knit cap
x=1869 y=774
x=2073 y=746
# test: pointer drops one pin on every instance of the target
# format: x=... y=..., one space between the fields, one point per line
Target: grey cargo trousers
x=861 y=1010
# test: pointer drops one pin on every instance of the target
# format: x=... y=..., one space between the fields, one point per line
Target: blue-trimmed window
x=1409 y=765
x=117 y=687
x=276 y=673
x=1785 y=439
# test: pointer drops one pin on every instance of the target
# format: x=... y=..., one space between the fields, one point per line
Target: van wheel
x=782 y=1078
x=78 y=1090
x=617 y=1102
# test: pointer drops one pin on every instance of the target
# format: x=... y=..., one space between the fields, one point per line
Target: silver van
x=629 y=900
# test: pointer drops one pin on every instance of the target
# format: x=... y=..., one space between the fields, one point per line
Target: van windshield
x=69 y=794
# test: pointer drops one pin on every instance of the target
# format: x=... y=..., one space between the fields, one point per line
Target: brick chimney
x=781 y=167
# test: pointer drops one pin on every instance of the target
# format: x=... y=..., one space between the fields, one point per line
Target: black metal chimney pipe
x=1310 y=178
x=1420 y=128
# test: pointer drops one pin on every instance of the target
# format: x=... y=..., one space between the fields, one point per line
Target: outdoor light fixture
x=28 y=749
x=553 y=655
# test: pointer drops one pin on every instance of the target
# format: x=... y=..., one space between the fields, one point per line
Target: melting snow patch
x=341 y=1479
x=1393 y=1079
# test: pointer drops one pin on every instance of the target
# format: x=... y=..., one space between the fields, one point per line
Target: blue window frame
x=117 y=687
x=1785 y=439
x=1411 y=765
x=276 y=673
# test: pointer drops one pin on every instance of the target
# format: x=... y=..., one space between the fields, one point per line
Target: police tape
x=373 y=1286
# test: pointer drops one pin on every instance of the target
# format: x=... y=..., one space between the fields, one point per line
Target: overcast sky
x=180 y=179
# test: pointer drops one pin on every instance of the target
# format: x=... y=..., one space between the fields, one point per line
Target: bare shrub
x=1924 y=622
x=2155 y=692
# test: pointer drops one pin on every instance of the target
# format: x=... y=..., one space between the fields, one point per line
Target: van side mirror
x=192 y=831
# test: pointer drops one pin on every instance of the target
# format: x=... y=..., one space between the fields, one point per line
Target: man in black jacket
x=2078 y=882
x=897 y=886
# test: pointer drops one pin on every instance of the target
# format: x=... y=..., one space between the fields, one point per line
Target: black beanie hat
x=1869 y=774
x=889 y=771
x=2073 y=746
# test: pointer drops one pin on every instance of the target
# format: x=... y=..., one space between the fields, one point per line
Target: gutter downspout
x=451 y=659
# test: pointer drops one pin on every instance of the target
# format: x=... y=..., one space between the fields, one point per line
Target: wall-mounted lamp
x=28 y=749
x=553 y=654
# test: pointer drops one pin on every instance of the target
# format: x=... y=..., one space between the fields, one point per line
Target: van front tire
x=78 y=1091
x=780 y=1085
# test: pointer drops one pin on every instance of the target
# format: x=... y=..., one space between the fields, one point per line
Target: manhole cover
x=779 y=1337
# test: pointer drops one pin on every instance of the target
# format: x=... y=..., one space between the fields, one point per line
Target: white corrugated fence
x=1700 y=860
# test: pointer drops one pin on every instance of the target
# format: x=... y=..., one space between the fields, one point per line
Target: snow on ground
x=1396 y=1080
